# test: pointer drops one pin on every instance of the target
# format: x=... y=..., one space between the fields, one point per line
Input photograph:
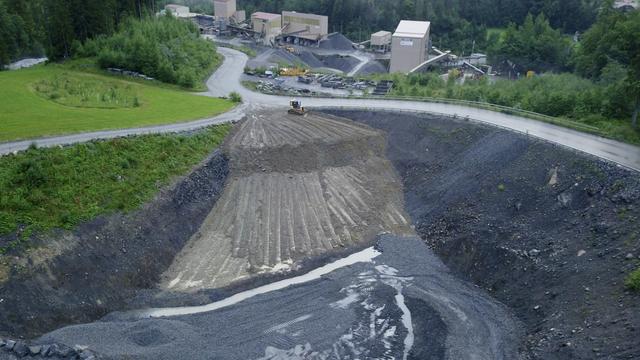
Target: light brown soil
x=299 y=186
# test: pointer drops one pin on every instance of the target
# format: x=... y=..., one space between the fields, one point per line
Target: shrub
x=632 y=281
x=235 y=97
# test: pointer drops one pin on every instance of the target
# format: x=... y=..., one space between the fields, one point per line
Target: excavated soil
x=550 y=232
x=299 y=186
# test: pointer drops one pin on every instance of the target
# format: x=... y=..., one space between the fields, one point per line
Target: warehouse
x=178 y=10
x=268 y=25
x=381 y=41
x=305 y=26
x=409 y=45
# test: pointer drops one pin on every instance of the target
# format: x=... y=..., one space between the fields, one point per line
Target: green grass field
x=31 y=108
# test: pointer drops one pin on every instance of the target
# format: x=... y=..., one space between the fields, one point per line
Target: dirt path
x=299 y=186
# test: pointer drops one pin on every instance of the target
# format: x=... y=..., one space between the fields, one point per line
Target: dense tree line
x=456 y=24
x=165 y=48
x=30 y=28
x=534 y=45
x=609 y=53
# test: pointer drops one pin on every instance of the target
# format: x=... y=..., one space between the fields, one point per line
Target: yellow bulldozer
x=296 y=108
x=293 y=71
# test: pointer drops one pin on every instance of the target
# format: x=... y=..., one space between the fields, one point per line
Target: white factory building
x=409 y=45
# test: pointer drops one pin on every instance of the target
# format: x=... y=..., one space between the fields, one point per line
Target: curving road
x=227 y=79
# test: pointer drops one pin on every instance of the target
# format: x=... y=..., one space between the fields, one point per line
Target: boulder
x=21 y=349
x=9 y=344
x=35 y=349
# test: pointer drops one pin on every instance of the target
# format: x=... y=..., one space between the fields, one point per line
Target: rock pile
x=17 y=349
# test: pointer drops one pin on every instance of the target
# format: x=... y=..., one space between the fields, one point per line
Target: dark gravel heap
x=339 y=62
x=372 y=67
x=310 y=59
x=550 y=232
x=336 y=41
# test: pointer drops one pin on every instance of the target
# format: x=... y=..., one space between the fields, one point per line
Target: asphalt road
x=227 y=79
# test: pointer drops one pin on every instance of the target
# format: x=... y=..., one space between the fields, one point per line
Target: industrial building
x=409 y=45
x=224 y=9
x=305 y=26
x=268 y=25
x=381 y=41
x=178 y=10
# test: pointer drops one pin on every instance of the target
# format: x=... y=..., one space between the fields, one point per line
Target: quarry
x=287 y=194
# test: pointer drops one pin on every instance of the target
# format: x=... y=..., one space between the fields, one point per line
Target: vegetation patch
x=633 y=280
x=29 y=113
x=164 y=48
x=81 y=91
x=42 y=189
x=582 y=103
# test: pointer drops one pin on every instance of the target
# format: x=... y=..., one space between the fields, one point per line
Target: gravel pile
x=310 y=59
x=340 y=62
x=372 y=67
x=336 y=41
x=280 y=56
x=550 y=232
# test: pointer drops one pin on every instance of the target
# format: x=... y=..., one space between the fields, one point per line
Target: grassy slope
x=24 y=114
x=47 y=188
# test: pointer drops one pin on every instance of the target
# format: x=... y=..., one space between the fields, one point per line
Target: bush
x=632 y=281
x=235 y=97
x=164 y=48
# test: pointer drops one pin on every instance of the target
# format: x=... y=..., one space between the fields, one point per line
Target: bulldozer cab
x=296 y=107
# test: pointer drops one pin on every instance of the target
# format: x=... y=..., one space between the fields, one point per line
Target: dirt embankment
x=299 y=187
x=550 y=232
x=82 y=275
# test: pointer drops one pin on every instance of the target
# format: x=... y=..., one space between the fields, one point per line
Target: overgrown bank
x=604 y=105
x=79 y=275
x=551 y=233
x=44 y=189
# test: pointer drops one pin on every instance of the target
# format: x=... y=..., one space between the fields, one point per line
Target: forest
x=456 y=24
x=36 y=27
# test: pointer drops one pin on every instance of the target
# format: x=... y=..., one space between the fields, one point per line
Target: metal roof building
x=269 y=25
x=307 y=26
x=409 y=45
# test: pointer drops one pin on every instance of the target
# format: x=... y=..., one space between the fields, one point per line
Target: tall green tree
x=534 y=45
x=614 y=43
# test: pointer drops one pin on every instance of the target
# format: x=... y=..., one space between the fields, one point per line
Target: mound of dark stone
x=548 y=231
x=336 y=41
